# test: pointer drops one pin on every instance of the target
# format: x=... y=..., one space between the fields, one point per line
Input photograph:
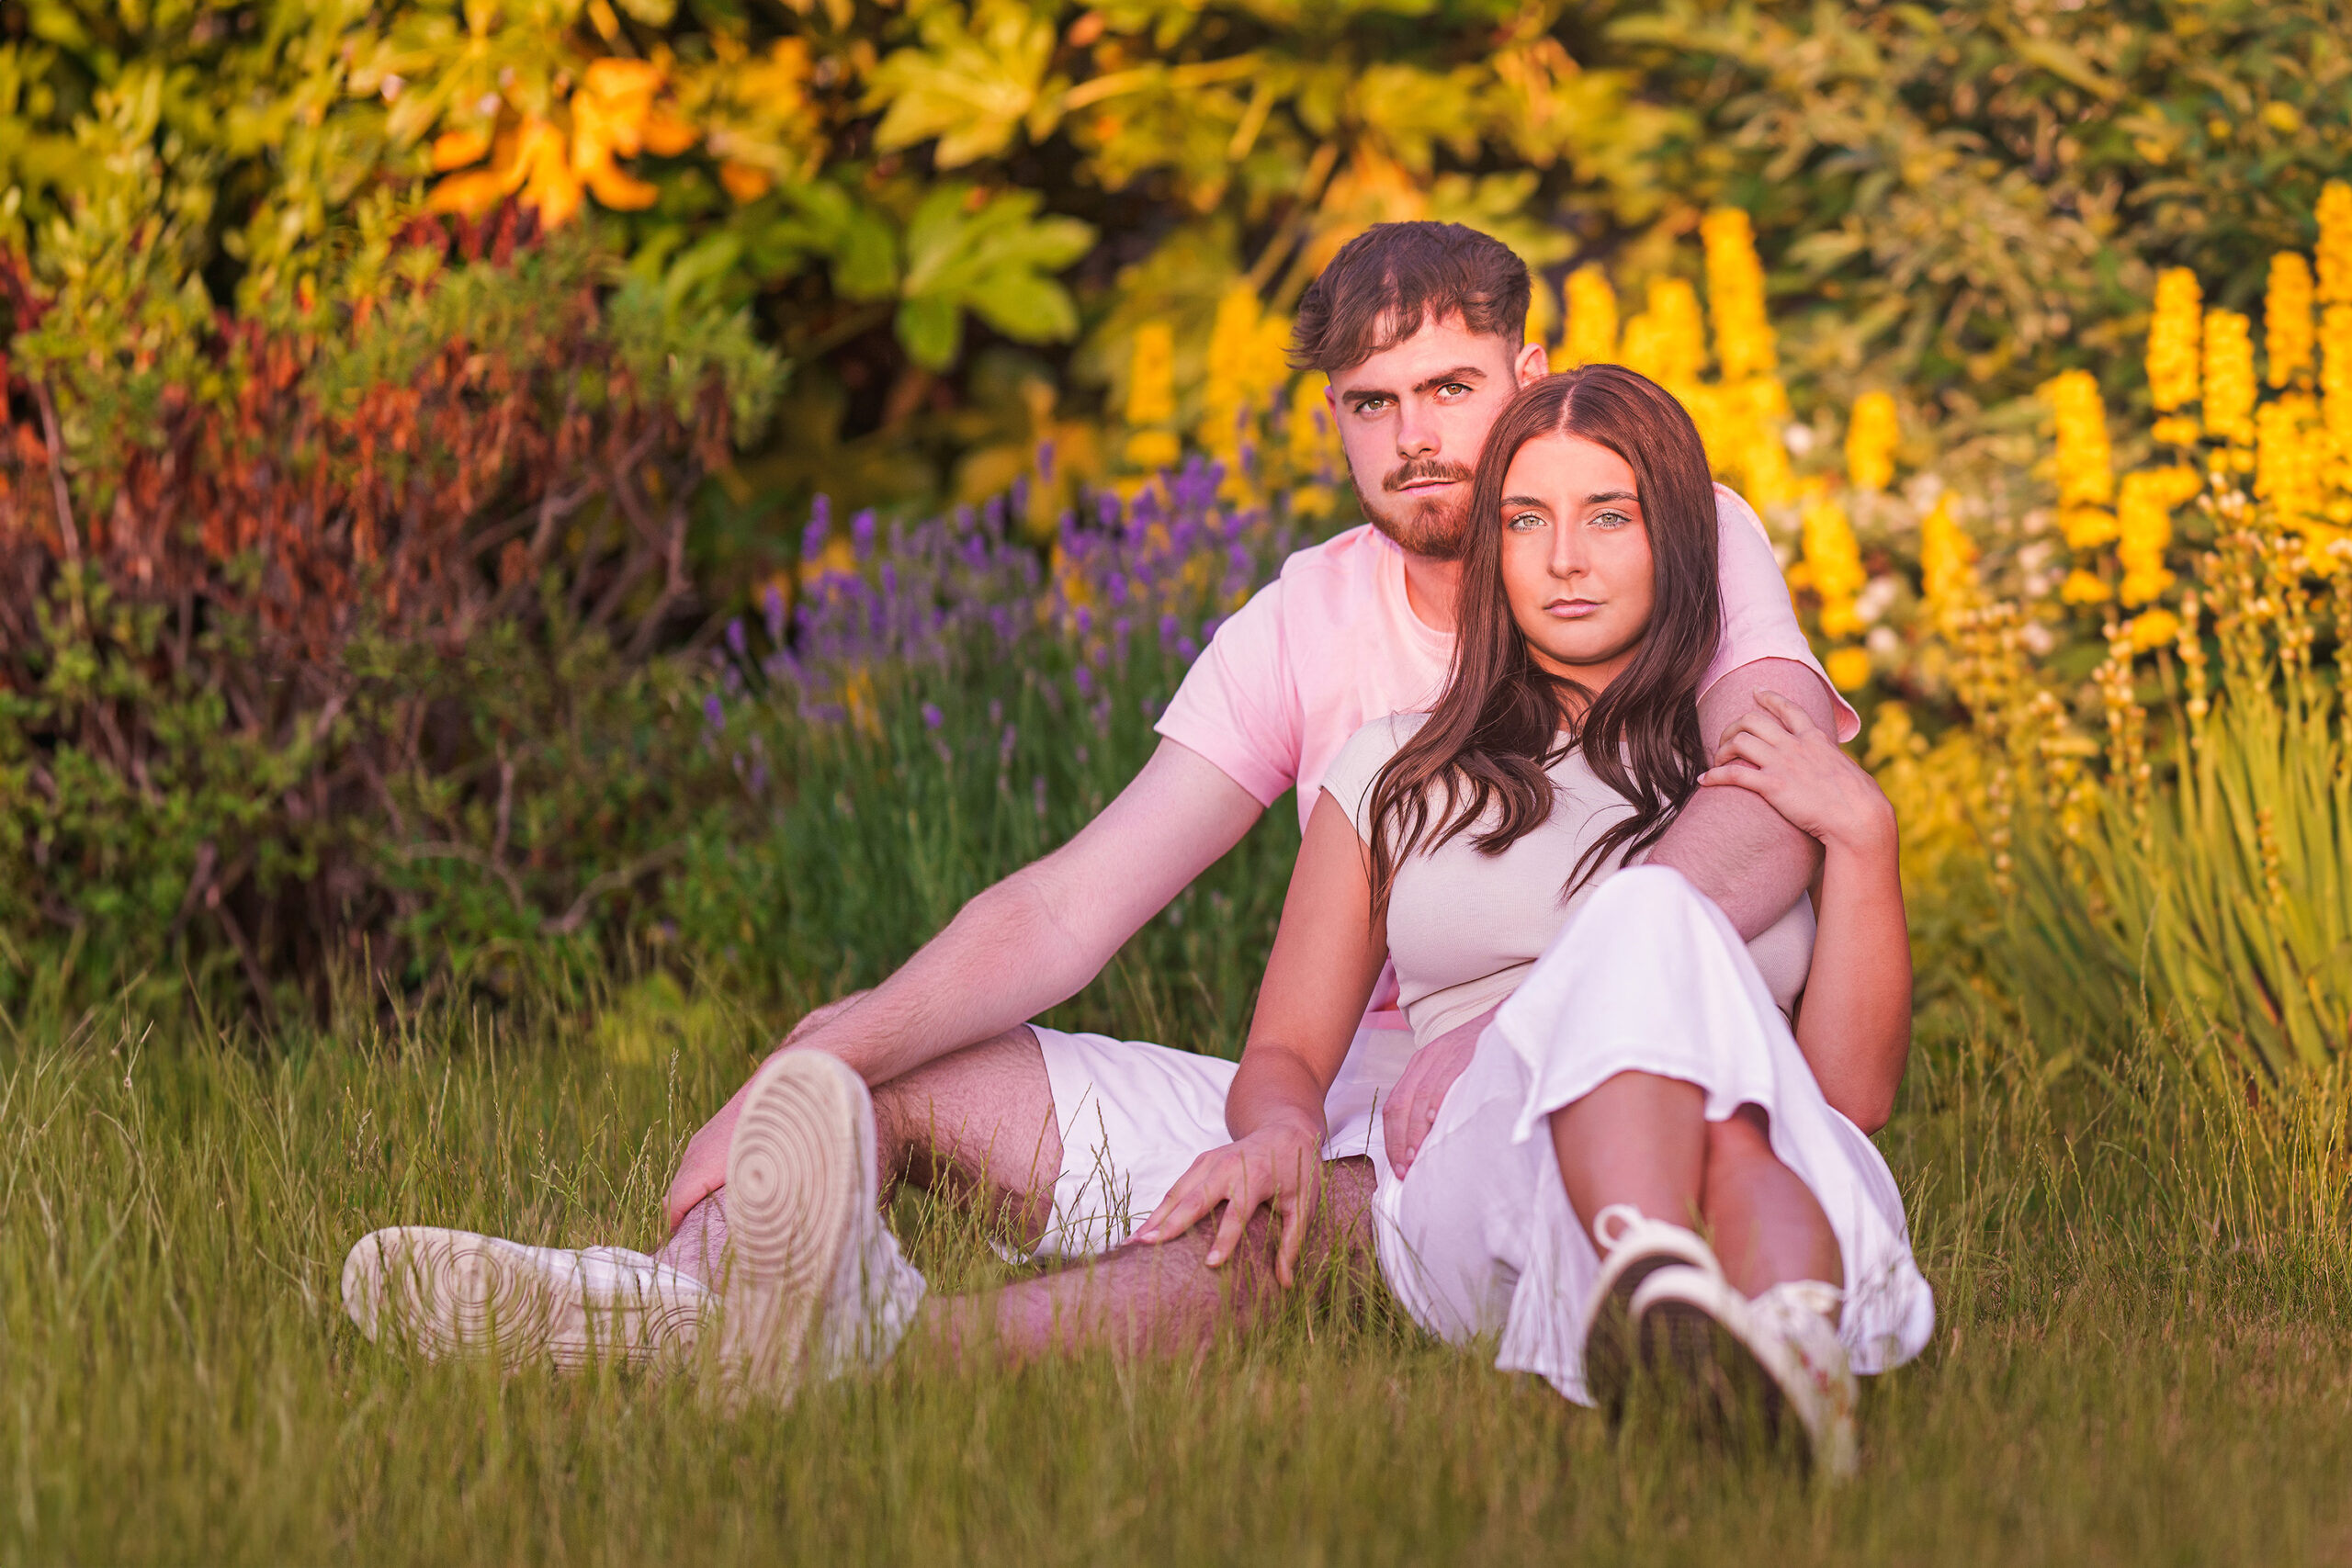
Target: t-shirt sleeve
x=1351 y=775
x=1759 y=622
x=1240 y=706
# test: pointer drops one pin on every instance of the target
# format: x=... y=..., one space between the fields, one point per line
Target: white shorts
x=1478 y=1237
x=1133 y=1116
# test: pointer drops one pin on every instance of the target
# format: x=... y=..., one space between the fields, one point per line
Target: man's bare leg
x=1133 y=1302
x=1137 y=1300
x=976 y=1126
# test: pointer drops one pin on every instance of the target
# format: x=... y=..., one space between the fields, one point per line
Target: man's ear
x=1533 y=363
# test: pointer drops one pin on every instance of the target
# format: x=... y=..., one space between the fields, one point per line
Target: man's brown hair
x=1391 y=280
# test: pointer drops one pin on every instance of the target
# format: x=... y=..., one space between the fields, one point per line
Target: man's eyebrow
x=1459 y=373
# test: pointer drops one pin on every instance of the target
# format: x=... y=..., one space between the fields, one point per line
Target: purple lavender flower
x=736 y=643
x=1084 y=678
x=1045 y=460
x=931 y=717
x=1170 y=629
x=1187 y=649
x=1108 y=510
x=714 y=713
x=861 y=533
x=1004 y=745
x=1037 y=794
x=773 y=604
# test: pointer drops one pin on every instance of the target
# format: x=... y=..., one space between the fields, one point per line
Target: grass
x=2145 y=1351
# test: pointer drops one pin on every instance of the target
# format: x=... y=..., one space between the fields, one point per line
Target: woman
x=1641 y=1077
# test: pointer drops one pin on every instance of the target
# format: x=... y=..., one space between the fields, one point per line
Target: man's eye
x=1372 y=405
x=1454 y=389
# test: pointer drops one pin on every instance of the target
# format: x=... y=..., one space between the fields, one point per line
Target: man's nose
x=1417 y=433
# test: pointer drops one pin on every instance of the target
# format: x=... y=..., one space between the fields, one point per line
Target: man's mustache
x=1425 y=469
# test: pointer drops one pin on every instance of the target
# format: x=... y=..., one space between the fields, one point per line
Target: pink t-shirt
x=1333 y=644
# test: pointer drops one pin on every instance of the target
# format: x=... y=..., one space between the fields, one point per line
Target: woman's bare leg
x=1642 y=1140
x=1638 y=1139
x=1765 y=1223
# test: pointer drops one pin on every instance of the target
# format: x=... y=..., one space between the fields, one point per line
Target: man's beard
x=1432 y=528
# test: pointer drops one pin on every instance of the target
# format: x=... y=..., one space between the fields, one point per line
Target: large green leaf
x=991 y=256
x=970 y=84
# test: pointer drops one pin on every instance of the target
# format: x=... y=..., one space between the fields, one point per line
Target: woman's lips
x=1571 y=609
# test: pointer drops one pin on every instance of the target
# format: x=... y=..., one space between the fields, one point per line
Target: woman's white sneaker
x=1633 y=1248
x=450 y=1294
x=1781 y=1347
x=813 y=1279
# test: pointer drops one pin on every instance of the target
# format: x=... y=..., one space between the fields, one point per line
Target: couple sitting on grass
x=1592 y=974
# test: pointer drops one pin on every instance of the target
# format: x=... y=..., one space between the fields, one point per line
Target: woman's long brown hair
x=1499 y=724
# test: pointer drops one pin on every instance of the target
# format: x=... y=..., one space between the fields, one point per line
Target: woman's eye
x=1526 y=522
x=1609 y=520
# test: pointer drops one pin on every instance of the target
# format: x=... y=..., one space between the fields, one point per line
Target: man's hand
x=703 y=1169
x=1280 y=1165
x=1414 y=1103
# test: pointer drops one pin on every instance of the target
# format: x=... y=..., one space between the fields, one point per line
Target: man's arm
x=1032 y=941
x=1732 y=845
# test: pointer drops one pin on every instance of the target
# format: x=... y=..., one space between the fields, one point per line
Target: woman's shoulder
x=1383 y=737
x=1357 y=764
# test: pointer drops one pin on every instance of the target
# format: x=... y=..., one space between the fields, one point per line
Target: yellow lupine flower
x=2287 y=460
x=2173 y=333
x=1151 y=376
x=1947 y=563
x=2143 y=528
x=1849 y=667
x=2335 y=377
x=2151 y=629
x=1744 y=339
x=1833 y=564
x=1246 y=369
x=1871 y=437
x=2287 y=320
x=2085 y=460
x=1668 y=343
x=2335 y=252
x=2229 y=377
x=1309 y=439
x=2083 y=588
x=1592 y=337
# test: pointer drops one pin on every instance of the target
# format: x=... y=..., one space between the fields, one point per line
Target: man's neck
x=1432 y=587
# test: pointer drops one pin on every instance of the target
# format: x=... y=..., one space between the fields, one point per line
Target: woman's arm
x=1854 y=1022
x=1327 y=955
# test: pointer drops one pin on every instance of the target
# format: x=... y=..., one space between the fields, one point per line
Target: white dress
x=1640 y=972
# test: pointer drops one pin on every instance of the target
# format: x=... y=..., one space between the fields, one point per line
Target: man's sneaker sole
x=452 y=1294
x=797 y=1177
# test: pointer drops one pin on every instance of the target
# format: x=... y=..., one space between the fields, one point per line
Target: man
x=1072 y=1139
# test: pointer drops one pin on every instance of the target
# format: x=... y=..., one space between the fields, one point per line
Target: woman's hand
x=1776 y=751
x=1280 y=1165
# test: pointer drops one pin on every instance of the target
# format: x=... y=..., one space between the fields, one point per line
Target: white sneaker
x=1633 y=1248
x=1783 y=1344
x=452 y=1293
x=812 y=1273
